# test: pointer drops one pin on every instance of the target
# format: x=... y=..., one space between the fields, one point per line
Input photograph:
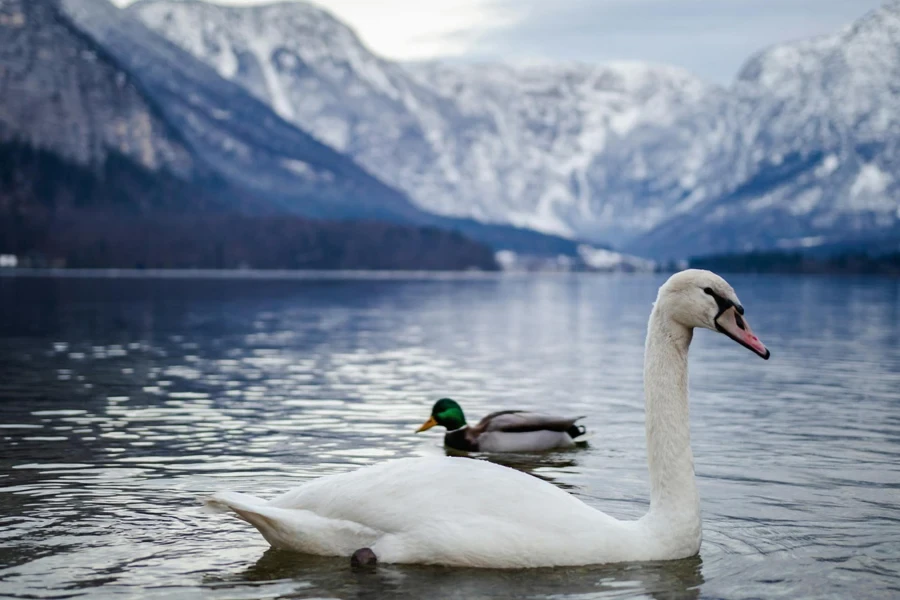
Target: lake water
x=124 y=400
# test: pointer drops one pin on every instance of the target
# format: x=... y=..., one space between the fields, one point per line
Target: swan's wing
x=426 y=510
x=518 y=421
x=292 y=529
x=407 y=493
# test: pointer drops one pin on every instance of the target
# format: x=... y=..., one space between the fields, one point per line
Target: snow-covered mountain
x=528 y=136
x=499 y=143
x=802 y=149
x=235 y=135
x=103 y=123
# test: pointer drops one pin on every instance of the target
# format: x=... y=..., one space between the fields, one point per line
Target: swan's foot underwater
x=364 y=557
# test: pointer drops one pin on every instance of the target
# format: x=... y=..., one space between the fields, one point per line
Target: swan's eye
x=721 y=302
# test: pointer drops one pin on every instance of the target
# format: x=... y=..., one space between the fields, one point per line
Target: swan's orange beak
x=733 y=324
x=427 y=425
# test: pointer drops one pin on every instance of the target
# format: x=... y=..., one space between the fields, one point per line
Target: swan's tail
x=256 y=511
x=223 y=502
x=294 y=529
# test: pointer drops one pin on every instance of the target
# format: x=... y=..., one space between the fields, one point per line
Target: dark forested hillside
x=56 y=213
x=229 y=241
x=849 y=262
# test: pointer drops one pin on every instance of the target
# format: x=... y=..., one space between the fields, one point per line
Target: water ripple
x=125 y=401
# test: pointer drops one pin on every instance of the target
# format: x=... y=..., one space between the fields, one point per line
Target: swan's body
x=449 y=511
x=503 y=431
x=462 y=512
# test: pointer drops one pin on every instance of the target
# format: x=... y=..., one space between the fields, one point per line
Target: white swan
x=464 y=512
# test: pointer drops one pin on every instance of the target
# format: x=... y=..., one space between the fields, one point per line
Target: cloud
x=413 y=29
x=419 y=29
x=710 y=37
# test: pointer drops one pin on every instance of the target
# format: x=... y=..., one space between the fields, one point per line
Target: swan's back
x=385 y=495
x=454 y=511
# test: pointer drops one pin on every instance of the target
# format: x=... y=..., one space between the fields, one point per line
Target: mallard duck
x=463 y=512
x=503 y=431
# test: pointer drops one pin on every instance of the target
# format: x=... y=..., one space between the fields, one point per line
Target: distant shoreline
x=799 y=263
x=282 y=274
x=304 y=274
x=361 y=275
x=293 y=274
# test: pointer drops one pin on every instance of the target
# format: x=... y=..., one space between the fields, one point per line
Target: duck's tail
x=576 y=431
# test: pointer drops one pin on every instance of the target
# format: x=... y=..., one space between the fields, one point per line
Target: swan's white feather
x=452 y=511
x=297 y=529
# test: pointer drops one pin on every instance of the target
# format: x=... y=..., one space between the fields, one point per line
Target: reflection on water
x=546 y=465
x=313 y=576
x=123 y=401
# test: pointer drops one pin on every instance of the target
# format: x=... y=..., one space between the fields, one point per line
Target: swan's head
x=446 y=413
x=696 y=298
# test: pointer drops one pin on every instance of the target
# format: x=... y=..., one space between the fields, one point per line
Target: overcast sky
x=709 y=37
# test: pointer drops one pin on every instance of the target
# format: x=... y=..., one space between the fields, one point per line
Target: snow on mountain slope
x=529 y=134
x=507 y=144
x=804 y=148
x=237 y=136
x=597 y=260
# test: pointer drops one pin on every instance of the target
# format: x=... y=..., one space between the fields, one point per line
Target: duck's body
x=503 y=431
x=466 y=440
x=462 y=512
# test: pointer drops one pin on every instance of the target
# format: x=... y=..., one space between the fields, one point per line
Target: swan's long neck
x=673 y=493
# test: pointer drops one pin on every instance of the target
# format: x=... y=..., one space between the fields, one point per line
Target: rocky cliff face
x=238 y=136
x=63 y=93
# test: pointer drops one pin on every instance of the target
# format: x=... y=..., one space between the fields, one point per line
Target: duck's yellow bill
x=427 y=425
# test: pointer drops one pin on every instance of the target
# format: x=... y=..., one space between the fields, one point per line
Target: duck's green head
x=446 y=413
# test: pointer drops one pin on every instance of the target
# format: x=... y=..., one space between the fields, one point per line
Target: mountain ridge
x=241 y=138
x=91 y=159
x=411 y=126
x=799 y=146
x=803 y=145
